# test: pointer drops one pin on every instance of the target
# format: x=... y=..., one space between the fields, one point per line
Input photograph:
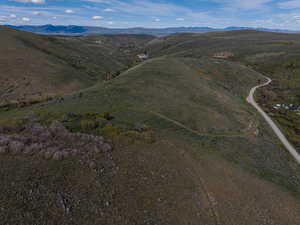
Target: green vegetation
x=100 y=124
x=288 y=120
x=188 y=147
x=61 y=64
x=273 y=54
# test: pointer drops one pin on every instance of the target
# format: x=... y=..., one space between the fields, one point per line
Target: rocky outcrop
x=54 y=142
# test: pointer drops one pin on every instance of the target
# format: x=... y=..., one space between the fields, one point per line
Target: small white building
x=143 y=56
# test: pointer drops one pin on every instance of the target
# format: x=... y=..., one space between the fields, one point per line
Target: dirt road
x=274 y=127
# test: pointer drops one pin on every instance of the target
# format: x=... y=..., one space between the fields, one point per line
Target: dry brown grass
x=265 y=55
x=31 y=64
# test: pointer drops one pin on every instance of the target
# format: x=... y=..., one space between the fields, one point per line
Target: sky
x=281 y=14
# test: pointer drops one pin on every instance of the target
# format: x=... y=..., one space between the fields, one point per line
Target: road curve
x=274 y=127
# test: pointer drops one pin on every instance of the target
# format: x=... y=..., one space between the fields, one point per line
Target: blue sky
x=283 y=14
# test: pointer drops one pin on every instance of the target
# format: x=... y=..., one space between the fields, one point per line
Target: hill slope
x=213 y=160
x=273 y=54
x=239 y=43
x=266 y=52
x=33 y=65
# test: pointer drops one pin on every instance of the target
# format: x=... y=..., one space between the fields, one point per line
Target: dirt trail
x=194 y=131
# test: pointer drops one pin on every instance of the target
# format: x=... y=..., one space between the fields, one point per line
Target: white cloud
x=69 y=11
x=97 y=17
x=13 y=16
x=31 y=1
x=297 y=17
x=244 y=4
x=165 y=13
x=251 y=4
x=3 y=18
x=147 y=7
x=36 y=13
x=109 y=10
x=26 y=19
x=293 y=4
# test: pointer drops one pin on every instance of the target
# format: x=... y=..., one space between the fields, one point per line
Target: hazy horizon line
x=140 y=27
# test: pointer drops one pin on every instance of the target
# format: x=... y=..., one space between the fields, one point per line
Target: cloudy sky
x=283 y=14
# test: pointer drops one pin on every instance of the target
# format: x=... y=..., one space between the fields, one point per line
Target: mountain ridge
x=86 y=30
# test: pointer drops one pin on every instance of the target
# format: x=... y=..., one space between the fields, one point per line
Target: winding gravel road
x=277 y=131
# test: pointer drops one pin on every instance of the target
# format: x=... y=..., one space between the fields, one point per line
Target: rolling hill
x=211 y=157
x=187 y=147
x=35 y=66
x=273 y=54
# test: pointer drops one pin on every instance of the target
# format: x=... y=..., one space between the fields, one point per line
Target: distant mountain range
x=86 y=30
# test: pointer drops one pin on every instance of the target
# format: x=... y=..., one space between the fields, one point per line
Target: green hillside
x=187 y=149
x=34 y=66
x=274 y=54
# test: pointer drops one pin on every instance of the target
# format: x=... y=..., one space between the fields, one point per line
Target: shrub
x=88 y=125
x=145 y=137
x=148 y=137
x=90 y=115
x=111 y=131
x=107 y=116
x=45 y=117
x=101 y=122
x=13 y=126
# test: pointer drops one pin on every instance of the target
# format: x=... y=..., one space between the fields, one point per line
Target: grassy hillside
x=274 y=54
x=212 y=159
x=240 y=43
x=34 y=66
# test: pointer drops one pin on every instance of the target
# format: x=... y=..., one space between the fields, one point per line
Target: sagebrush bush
x=106 y=116
x=88 y=125
x=145 y=137
x=111 y=131
x=90 y=115
x=13 y=125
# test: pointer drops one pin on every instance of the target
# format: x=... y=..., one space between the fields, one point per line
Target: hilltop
x=169 y=140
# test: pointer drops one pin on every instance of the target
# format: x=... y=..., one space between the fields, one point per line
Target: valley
x=167 y=140
x=35 y=67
